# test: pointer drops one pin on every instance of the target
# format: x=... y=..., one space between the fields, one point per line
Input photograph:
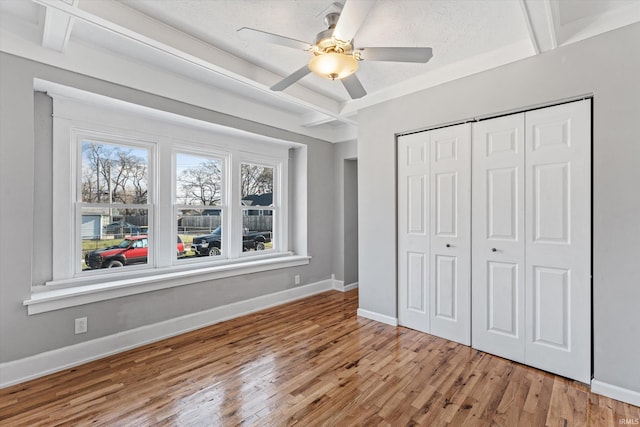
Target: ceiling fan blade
x=263 y=36
x=353 y=86
x=291 y=79
x=351 y=18
x=396 y=54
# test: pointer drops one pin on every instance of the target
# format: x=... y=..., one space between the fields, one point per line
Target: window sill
x=56 y=299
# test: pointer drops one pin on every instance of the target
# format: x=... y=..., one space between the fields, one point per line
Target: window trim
x=74 y=292
x=82 y=113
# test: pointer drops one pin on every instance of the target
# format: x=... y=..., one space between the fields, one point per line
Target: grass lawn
x=92 y=245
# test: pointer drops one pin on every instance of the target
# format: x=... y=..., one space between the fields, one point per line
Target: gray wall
x=342 y=151
x=607 y=66
x=25 y=224
x=350 y=221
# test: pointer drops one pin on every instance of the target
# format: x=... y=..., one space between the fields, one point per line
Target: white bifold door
x=532 y=238
x=434 y=233
x=498 y=236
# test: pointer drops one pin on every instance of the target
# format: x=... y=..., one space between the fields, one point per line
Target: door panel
x=415 y=207
x=551 y=290
x=502 y=204
x=446 y=204
x=416 y=286
x=498 y=230
x=558 y=244
x=551 y=203
x=450 y=182
x=502 y=298
x=413 y=231
x=445 y=284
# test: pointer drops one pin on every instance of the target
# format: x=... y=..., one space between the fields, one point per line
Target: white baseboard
x=17 y=371
x=615 y=392
x=378 y=317
x=350 y=286
x=339 y=285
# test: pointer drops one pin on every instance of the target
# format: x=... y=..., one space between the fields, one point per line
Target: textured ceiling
x=455 y=29
x=196 y=41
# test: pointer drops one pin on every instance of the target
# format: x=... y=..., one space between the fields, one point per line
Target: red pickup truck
x=132 y=250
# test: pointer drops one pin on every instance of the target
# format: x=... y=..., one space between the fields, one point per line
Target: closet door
x=558 y=244
x=450 y=208
x=498 y=237
x=413 y=231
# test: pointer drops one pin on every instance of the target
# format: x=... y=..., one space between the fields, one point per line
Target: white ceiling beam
x=540 y=17
x=187 y=58
x=593 y=25
x=57 y=27
x=313 y=118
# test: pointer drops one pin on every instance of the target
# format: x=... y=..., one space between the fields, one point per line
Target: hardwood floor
x=310 y=362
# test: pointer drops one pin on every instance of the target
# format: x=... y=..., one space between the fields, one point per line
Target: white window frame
x=81 y=115
x=279 y=208
x=67 y=139
x=195 y=149
x=81 y=135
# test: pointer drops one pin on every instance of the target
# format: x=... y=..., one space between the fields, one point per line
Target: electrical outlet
x=296 y=279
x=81 y=325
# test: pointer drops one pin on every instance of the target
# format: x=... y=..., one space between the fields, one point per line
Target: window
x=114 y=191
x=258 y=207
x=200 y=203
x=114 y=188
x=144 y=197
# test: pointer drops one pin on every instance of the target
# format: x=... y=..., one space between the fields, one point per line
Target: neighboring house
x=91 y=226
x=265 y=199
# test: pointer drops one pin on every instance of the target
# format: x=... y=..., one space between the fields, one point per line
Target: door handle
x=448 y=245
x=494 y=250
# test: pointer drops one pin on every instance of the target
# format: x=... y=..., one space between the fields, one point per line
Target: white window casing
x=79 y=115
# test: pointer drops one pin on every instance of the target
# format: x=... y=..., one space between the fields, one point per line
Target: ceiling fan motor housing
x=324 y=41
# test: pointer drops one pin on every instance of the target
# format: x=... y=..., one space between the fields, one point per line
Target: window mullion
x=163 y=239
x=234 y=216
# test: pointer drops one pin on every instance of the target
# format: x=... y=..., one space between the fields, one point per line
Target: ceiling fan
x=334 y=55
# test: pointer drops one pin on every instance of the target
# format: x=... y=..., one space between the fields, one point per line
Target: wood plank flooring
x=307 y=363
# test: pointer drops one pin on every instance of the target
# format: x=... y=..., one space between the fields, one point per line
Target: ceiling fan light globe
x=333 y=65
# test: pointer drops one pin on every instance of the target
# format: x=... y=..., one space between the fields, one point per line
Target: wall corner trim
x=615 y=392
x=38 y=365
x=378 y=317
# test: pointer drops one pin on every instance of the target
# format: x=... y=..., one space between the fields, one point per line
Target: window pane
x=113 y=238
x=114 y=173
x=198 y=180
x=257 y=185
x=257 y=230
x=200 y=232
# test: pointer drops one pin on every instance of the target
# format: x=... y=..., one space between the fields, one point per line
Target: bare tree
x=256 y=179
x=89 y=194
x=120 y=176
x=139 y=182
x=92 y=165
x=201 y=184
